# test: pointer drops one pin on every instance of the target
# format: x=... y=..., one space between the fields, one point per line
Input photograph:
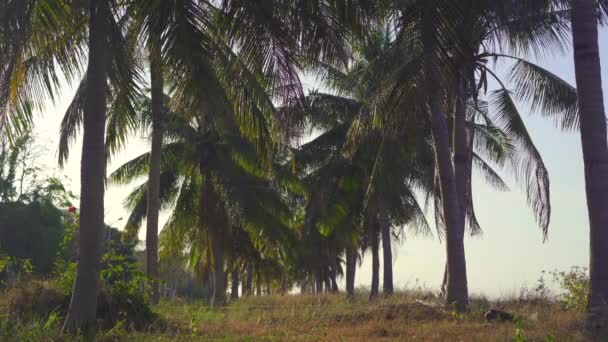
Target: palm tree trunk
x=248 y=284
x=387 y=285
x=219 y=274
x=456 y=287
x=462 y=162
x=461 y=148
x=595 y=156
x=319 y=282
x=334 y=283
x=375 y=259
x=207 y=285
x=304 y=285
x=234 y=292
x=83 y=305
x=327 y=279
x=351 y=268
x=214 y=224
x=153 y=201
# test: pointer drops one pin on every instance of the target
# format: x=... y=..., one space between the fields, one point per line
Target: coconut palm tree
x=592 y=117
x=83 y=305
x=447 y=45
x=212 y=153
x=201 y=27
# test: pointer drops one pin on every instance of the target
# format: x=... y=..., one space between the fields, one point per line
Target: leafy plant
x=575 y=286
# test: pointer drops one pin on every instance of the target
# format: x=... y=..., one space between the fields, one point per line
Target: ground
x=333 y=318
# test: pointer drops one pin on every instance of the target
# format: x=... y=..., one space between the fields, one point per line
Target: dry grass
x=333 y=318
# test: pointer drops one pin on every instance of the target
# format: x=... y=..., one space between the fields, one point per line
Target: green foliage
x=30 y=221
x=575 y=286
x=31 y=231
x=39 y=329
x=125 y=301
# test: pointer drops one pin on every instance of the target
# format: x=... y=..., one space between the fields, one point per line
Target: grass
x=333 y=318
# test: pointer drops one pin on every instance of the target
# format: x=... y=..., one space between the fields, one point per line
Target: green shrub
x=122 y=302
x=575 y=286
x=43 y=329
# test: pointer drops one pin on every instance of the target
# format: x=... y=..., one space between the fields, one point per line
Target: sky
x=508 y=256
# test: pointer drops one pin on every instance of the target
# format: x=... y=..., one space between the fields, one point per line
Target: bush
x=36 y=299
x=124 y=302
x=121 y=302
x=48 y=329
x=575 y=286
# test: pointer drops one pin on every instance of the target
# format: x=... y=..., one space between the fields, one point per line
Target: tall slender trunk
x=375 y=259
x=327 y=279
x=304 y=285
x=83 y=305
x=595 y=156
x=319 y=282
x=219 y=274
x=462 y=160
x=207 y=285
x=153 y=200
x=333 y=271
x=351 y=268
x=385 y=226
x=234 y=291
x=456 y=287
x=461 y=148
x=211 y=219
x=248 y=284
x=258 y=290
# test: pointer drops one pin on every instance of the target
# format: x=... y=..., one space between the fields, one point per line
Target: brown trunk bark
x=456 y=287
x=153 y=201
x=83 y=305
x=219 y=275
x=334 y=282
x=211 y=218
x=304 y=285
x=327 y=279
x=248 y=284
x=595 y=157
x=461 y=149
x=351 y=268
x=375 y=259
x=319 y=282
x=234 y=292
x=387 y=285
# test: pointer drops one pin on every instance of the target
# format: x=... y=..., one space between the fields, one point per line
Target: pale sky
x=510 y=253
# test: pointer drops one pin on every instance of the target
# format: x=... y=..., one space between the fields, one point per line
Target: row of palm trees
x=409 y=114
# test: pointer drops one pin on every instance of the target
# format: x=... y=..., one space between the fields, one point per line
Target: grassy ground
x=333 y=318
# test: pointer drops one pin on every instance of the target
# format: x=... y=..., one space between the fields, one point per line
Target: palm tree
x=449 y=49
x=192 y=26
x=83 y=305
x=206 y=160
x=592 y=117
